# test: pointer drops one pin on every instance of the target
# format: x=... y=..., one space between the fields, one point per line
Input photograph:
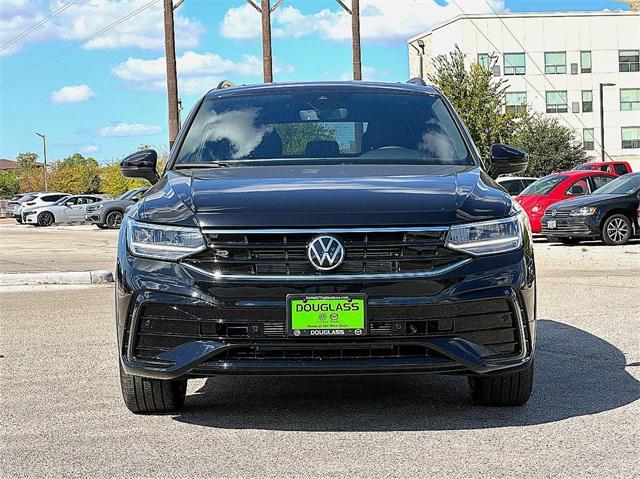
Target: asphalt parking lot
x=62 y=414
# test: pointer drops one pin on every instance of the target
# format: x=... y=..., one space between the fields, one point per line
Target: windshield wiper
x=217 y=164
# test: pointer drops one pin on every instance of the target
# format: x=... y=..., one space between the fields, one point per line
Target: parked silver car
x=70 y=209
x=33 y=200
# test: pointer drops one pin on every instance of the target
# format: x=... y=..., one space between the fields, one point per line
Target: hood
x=589 y=200
x=328 y=195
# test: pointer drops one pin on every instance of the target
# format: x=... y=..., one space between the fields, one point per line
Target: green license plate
x=335 y=315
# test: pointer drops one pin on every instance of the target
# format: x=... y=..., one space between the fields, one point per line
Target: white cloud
x=90 y=149
x=144 y=30
x=130 y=129
x=197 y=72
x=73 y=94
x=381 y=20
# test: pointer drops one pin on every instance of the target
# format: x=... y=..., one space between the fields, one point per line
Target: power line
x=531 y=59
x=79 y=43
x=20 y=36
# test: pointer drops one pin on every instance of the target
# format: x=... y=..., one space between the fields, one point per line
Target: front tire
x=113 y=220
x=152 y=396
x=616 y=230
x=505 y=390
x=45 y=219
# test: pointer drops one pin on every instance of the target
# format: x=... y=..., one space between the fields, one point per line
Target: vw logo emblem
x=325 y=253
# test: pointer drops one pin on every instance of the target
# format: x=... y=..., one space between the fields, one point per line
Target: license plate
x=327 y=315
x=552 y=224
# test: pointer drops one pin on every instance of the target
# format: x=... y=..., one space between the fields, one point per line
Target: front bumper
x=209 y=348
x=94 y=218
x=30 y=219
x=571 y=226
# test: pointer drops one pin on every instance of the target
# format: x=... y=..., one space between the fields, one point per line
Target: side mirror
x=507 y=160
x=141 y=164
x=577 y=190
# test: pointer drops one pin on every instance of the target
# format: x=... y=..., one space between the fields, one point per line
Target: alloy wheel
x=114 y=219
x=618 y=230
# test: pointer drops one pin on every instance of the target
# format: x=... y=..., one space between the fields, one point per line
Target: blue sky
x=105 y=97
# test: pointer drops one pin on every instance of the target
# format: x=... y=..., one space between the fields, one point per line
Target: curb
x=71 y=277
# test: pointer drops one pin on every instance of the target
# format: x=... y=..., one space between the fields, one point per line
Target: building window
x=585 y=62
x=630 y=137
x=514 y=64
x=629 y=60
x=557 y=101
x=555 y=63
x=629 y=99
x=484 y=60
x=587 y=101
x=587 y=138
x=516 y=102
x=574 y=68
x=496 y=70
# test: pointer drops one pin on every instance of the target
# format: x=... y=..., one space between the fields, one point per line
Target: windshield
x=26 y=198
x=585 y=167
x=623 y=185
x=544 y=185
x=324 y=127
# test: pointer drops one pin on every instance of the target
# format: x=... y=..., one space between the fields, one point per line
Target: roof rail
x=417 y=81
x=225 y=84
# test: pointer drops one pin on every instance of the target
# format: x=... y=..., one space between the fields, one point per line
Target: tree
x=114 y=184
x=296 y=136
x=551 y=146
x=478 y=99
x=76 y=175
x=26 y=161
x=9 y=185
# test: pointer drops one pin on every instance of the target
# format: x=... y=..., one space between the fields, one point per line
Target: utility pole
x=265 y=9
x=602 y=85
x=354 y=11
x=44 y=154
x=172 y=75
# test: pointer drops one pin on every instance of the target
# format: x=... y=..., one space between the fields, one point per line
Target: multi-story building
x=555 y=63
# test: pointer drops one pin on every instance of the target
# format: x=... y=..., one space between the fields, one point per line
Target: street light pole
x=602 y=85
x=44 y=154
x=172 y=75
x=265 y=9
x=354 y=11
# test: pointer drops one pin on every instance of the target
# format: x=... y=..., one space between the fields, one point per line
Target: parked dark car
x=109 y=214
x=325 y=228
x=610 y=214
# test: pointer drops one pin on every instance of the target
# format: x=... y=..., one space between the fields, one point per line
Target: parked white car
x=515 y=184
x=69 y=209
x=34 y=200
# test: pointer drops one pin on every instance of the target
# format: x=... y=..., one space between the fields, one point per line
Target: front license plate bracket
x=331 y=315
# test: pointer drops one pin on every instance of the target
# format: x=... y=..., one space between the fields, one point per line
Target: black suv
x=325 y=228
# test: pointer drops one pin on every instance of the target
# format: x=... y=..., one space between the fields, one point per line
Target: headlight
x=584 y=211
x=161 y=241
x=97 y=207
x=27 y=213
x=488 y=237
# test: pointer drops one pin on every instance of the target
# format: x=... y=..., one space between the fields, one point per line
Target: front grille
x=160 y=327
x=279 y=254
x=559 y=214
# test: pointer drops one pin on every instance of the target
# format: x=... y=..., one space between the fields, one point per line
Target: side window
x=599 y=181
x=71 y=202
x=604 y=168
x=620 y=169
x=513 y=187
x=135 y=198
x=578 y=188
